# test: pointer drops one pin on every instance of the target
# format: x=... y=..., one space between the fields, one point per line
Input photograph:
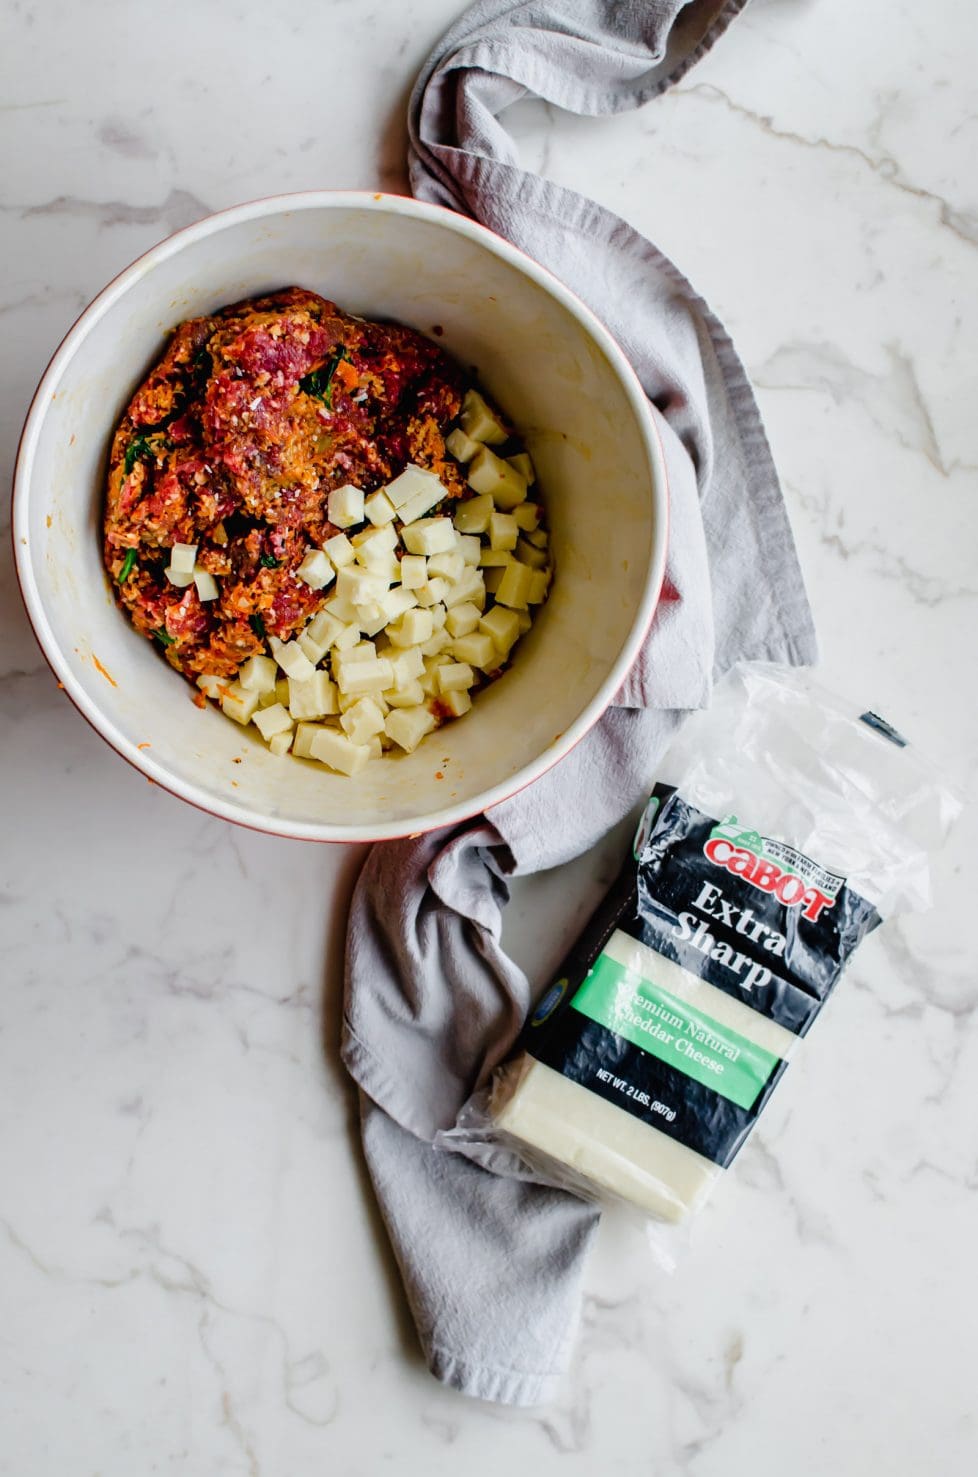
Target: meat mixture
x=233 y=444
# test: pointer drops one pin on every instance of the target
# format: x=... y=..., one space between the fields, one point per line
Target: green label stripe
x=660 y=1023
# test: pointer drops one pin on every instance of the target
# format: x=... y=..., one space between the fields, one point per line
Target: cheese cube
x=521 y=463
x=378 y=508
x=436 y=643
x=538 y=586
x=413 y=629
x=183 y=557
x=340 y=550
x=430 y=536
x=537 y=537
x=280 y=743
x=462 y=447
x=488 y=473
x=406 y=664
x=480 y=422
x=514 y=587
x=337 y=752
x=371 y=618
x=446 y=566
x=502 y=625
x=212 y=686
x=268 y=699
x=316 y=570
x=438 y=615
x=348 y=637
x=468 y=545
x=413 y=482
x=271 y=721
x=323 y=629
x=238 y=703
x=375 y=747
x=397 y=602
x=462 y=618
x=304 y=735
x=257 y=674
x=492 y=578
x=178 y=579
x=291 y=658
x=503 y=531
x=310 y=648
x=361 y=721
x=527 y=553
x=525 y=619
x=469 y=589
x=359 y=675
x=527 y=515
x=206 y=584
x=473 y=514
x=457 y=703
x=313 y=699
x=408 y=696
x=455 y=677
x=477 y=649
x=375 y=546
x=434 y=592
x=408 y=726
x=346 y=506
x=360 y=586
x=495 y=558
x=414 y=571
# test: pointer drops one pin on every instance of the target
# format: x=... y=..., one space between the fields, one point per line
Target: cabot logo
x=772 y=867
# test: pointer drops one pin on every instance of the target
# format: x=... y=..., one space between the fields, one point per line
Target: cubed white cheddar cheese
x=338 y=752
x=313 y=699
x=362 y=720
x=436 y=643
x=304 y=735
x=375 y=546
x=539 y=584
x=413 y=629
x=433 y=593
x=258 y=674
x=457 y=702
x=412 y=482
x=340 y=550
x=346 y=506
x=361 y=674
x=525 y=619
x=479 y=422
x=468 y=545
x=291 y=658
x=502 y=625
x=397 y=602
x=488 y=473
x=237 y=703
x=462 y=447
x=462 y=618
x=472 y=516
x=406 y=664
x=414 y=571
x=273 y=720
x=514 y=587
x=348 y=637
x=408 y=726
x=408 y=696
x=528 y=516
x=178 y=578
x=493 y=578
x=495 y=558
x=316 y=570
x=535 y=536
x=378 y=508
x=477 y=649
x=455 y=677
x=503 y=531
x=206 y=584
x=527 y=553
x=446 y=566
x=310 y=648
x=323 y=629
x=470 y=589
x=183 y=558
x=523 y=464
x=280 y=743
x=212 y=686
x=269 y=699
x=375 y=747
x=438 y=615
x=430 y=536
x=371 y=618
x=360 y=586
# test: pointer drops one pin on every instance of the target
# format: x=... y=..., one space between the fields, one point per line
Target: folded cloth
x=493 y=1266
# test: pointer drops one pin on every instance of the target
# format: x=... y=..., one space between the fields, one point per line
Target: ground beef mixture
x=234 y=442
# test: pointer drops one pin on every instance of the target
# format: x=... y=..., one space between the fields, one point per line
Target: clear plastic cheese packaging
x=785 y=827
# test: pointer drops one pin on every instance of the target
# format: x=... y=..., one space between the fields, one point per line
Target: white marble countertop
x=193 y=1278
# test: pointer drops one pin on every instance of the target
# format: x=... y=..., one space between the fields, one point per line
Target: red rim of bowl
x=142 y=761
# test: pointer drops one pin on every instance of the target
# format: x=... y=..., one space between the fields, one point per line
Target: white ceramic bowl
x=553 y=368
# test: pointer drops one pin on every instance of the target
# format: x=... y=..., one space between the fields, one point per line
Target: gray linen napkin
x=492 y=1265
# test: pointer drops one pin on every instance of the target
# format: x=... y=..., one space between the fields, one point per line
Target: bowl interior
x=587 y=437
